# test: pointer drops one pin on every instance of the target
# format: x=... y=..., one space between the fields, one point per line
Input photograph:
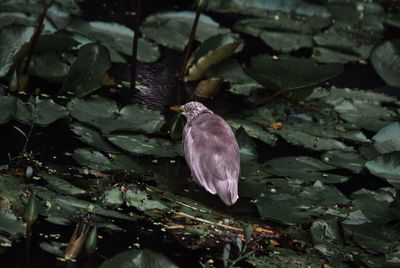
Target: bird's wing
x=213 y=155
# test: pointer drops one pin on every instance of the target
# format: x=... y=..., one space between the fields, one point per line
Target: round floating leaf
x=51 y=67
x=386 y=60
x=303 y=168
x=232 y=72
x=290 y=73
x=386 y=166
x=8 y=108
x=248 y=151
x=10 y=224
x=60 y=185
x=88 y=69
x=368 y=115
x=105 y=115
x=57 y=42
x=172 y=29
x=117 y=38
x=387 y=139
x=143 y=258
x=92 y=138
x=307 y=202
x=98 y=161
x=39 y=112
x=210 y=52
x=253 y=130
x=326 y=237
x=348 y=160
x=140 y=144
x=141 y=201
x=286 y=42
x=13 y=45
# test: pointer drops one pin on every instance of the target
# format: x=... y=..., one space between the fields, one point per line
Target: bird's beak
x=178 y=108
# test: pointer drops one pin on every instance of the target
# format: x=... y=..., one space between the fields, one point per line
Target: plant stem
x=35 y=37
x=135 y=43
x=189 y=46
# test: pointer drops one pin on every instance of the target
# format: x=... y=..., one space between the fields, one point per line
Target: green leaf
x=98 y=161
x=288 y=73
x=8 y=108
x=253 y=130
x=326 y=237
x=143 y=258
x=60 y=185
x=348 y=160
x=172 y=29
x=105 y=115
x=86 y=72
x=10 y=224
x=117 y=38
x=368 y=115
x=92 y=138
x=140 y=144
x=248 y=151
x=142 y=201
x=387 y=139
x=13 y=46
x=212 y=51
x=51 y=67
x=386 y=166
x=233 y=73
x=286 y=42
x=300 y=206
x=386 y=60
x=39 y=112
x=303 y=168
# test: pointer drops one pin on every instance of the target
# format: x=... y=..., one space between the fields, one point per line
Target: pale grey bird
x=211 y=151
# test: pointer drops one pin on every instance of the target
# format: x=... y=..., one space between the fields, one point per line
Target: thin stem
x=35 y=37
x=189 y=46
x=28 y=137
x=135 y=43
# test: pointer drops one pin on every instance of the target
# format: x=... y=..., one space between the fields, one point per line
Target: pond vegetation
x=92 y=172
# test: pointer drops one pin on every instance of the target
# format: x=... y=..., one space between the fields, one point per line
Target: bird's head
x=191 y=109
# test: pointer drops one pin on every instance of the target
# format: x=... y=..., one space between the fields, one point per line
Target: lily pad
x=212 y=51
x=300 y=207
x=172 y=29
x=92 y=138
x=51 y=67
x=368 y=115
x=289 y=73
x=105 y=115
x=231 y=71
x=387 y=139
x=141 y=201
x=386 y=60
x=116 y=37
x=303 y=168
x=14 y=46
x=86 y=72
x=99 y=162
x=39 y=112
x=143 y=258
x=10 y=224
x=8 y=108
x=253 y=130
x=386 y=166
x=348 y=160
x=326 y=237
x=140 y=144
x=60 y=185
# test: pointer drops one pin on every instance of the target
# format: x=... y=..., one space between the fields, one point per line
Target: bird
x=211 y=151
